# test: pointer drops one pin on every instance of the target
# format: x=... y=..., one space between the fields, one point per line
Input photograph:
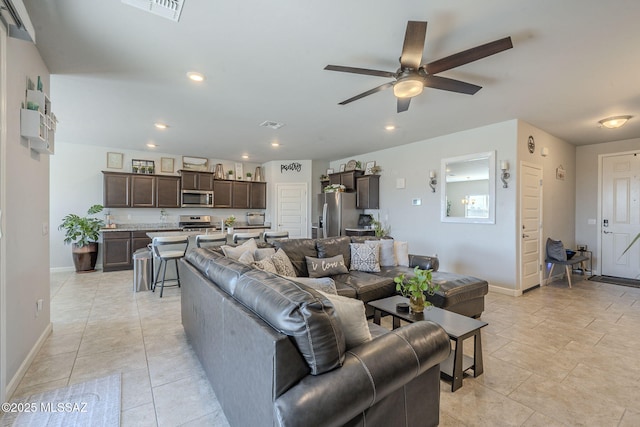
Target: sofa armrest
x=370 y=372
x=425 y=262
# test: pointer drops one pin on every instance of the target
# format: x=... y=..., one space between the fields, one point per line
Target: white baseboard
x=505 y=291
x=13 y=384
x=70 y=268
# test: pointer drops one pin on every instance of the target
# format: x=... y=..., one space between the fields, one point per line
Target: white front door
x=292 y=209
x=620 y=215
x=530 y=224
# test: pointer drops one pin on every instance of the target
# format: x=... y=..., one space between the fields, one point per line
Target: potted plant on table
x=83 y=233
x=415 y=287
x=229 y=222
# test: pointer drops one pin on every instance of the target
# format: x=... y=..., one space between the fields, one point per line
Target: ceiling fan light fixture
x=614 y=122
x=408 y=87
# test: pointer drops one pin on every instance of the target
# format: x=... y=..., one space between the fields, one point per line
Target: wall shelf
x=37 y=122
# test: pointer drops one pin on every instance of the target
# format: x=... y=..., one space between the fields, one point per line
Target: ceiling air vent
x=272 y=125
x=170 y=9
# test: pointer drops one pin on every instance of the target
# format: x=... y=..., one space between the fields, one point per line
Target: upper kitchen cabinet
x=192 y=180
x=348 y=179
x=222 y=194
x=168 y=191
x=117 y=187
x=368 y=192
x=143 y=191
x=258 y=195
x=241 y=194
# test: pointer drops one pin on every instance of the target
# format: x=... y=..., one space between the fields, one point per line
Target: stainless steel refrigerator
x=337 y=211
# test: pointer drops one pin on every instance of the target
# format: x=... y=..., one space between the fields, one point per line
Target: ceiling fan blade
x=451 y=85
x=367 y=93
x=403 y=104
x=469 y=55
x=413 y=47
x=359 y=71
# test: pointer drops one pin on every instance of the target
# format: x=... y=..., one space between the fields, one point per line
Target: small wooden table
x=458 y=328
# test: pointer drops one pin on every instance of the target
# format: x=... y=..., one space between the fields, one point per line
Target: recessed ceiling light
x=245 y=156
x=275 y=144
x=390 y=127
x=151 y=145
x=196 y=77
x=161 y=125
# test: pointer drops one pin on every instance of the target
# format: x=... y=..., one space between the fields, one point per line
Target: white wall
x=25 y=188
x=587 y=190
x=482 y=250
x=77 y=183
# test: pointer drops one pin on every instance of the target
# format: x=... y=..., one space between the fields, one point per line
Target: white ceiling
x=116 y=70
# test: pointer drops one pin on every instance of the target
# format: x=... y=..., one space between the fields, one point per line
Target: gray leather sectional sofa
x=275 y=353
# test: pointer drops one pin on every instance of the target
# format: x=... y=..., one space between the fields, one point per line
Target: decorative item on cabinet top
x=143 y=166
x=166 y=164
x=115 y=160
x=195 y=163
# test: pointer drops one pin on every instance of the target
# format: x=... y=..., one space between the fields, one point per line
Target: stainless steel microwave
x=197 y=199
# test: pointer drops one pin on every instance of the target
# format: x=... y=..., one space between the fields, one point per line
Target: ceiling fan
x=412 y=76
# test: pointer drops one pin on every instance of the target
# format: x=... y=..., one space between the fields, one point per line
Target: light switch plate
x=416 y=202
x=400 y=183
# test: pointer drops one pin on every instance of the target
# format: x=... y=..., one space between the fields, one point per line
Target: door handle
x=607 y=232
x=524 y=235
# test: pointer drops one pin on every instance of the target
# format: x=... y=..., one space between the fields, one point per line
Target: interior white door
x=530 y=225
x=620 y=215
x=292 y=205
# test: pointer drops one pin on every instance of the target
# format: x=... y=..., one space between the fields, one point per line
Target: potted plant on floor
x=415 y=287
x=82 y=233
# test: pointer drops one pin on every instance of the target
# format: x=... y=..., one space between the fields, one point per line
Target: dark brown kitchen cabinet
x=116 y=251
x=168 y=192
x=196 y=180
x=368 y=192
x=241 y=194
x=222 y=194
x=116 y=187
x=139 y=240
x=143 y=191
x=258 y=195
x=348 y=179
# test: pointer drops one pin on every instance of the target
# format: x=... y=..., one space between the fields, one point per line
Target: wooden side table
x=458 y=327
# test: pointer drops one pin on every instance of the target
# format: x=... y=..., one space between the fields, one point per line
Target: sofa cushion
x=352 y=318
x=401 y=250
x=296 y=310
x=262 y=253
x=297 y=250
x=387 y=252
x=283 y=264
x=324 y=267
x=324 y=284
x=367 y=286
x=223 y=270
x=332 y=246
x=266 y=265
x=236 y=252
x=365 y=257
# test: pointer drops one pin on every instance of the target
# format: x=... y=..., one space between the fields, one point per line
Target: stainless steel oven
x=197 y=199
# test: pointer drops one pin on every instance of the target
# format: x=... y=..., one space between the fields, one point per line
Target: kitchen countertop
x=176 y=227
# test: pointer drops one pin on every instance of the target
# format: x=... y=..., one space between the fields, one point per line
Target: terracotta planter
x=85 y=257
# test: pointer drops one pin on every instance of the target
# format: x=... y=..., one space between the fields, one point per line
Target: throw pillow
x=324 y=284
x=266 y=265
x=401 y=250
x=323 y=267
x=387 y=254
x=246 y=258
x=263 y=253
x=352 y=319
x=283 y=264
x=365 y=257
x=555 y=250
x=234 y=252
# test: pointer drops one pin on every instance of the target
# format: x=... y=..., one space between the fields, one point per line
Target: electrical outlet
x=39 y=306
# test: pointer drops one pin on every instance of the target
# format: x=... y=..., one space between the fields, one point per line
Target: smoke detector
x=169 y=9
x=272 y=125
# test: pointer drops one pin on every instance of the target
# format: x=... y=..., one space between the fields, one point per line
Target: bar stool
x=175 y=252
x=270 y=236
x=209 y=240
x=239 y=237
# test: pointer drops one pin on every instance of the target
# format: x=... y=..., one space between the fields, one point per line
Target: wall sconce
x=504 y=166
x=432 y=180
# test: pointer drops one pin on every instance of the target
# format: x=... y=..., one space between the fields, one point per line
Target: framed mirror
x=468 y=188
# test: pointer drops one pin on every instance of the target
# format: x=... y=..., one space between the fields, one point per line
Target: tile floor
x=553 y=357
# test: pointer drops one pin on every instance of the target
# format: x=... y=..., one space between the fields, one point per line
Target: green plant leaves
x=82 y=230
